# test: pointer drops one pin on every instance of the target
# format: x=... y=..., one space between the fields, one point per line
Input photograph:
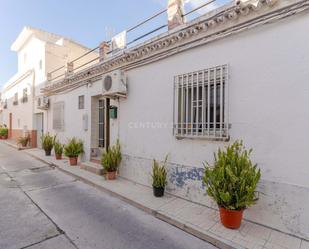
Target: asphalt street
x=43 y=208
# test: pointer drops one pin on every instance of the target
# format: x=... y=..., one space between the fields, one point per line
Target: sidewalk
x=196 y=219
x=14 y=144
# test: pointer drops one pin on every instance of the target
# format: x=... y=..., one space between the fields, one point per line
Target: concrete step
x=92 y=167
x=96 y=160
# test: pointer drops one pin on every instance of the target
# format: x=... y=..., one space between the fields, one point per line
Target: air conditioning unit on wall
x=42 y=103
x=114 y=84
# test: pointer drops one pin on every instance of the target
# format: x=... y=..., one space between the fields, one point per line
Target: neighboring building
x=238 y=72
x=38 y=52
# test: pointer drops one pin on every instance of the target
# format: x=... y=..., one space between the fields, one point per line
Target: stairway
x=92 y=167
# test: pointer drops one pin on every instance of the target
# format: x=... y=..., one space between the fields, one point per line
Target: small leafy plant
x=112 y=158
x=159 y=174
x=58 y=147
x=48 y=142
x=23 y=141
x=4 y=132
x=232 y=181
x=74 y=148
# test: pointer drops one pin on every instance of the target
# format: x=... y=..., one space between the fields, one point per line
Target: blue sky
x=87 y=22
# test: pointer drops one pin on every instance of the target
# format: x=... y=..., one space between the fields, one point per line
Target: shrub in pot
x=73 y=149
x=48 y=143
x=232 y=182
x=23 y=141
x=159 y=178
x=4 y=132
x=111 y=160
x=58 y=148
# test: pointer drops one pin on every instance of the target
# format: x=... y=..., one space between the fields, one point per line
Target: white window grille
x=201 y=104
x=58 y=116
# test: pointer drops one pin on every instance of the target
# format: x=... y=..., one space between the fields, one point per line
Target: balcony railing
x=81 y=62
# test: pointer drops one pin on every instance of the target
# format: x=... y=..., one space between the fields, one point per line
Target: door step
x=92 y=167
x=96 y=160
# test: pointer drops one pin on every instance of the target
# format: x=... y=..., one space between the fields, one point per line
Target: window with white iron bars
x=15 y=102
x=201 y=104
x=25 y=95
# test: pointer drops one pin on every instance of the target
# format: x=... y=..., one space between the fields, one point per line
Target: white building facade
x=239 y=72
x=38 y=52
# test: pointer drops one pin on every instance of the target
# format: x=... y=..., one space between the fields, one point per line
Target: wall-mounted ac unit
x=43 y=103
x=114 y=84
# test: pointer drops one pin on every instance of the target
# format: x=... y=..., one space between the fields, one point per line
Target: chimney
x=69 y=68
x=175 y=12
x=104 y=49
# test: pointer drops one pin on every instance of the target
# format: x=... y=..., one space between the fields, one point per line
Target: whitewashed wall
x=51 y=55
x=22 y=113
x=269 y=95
x=73 y=117
x=21 y=118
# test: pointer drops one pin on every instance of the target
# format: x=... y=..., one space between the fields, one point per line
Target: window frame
x=58 y=109
x=40 y=64
x=15 y=102
x=81 y=107
x=201 y=104
x=25 y=95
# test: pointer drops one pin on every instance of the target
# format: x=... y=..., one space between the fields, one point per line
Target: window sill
x=215 y=139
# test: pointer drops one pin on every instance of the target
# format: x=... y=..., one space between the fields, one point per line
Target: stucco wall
x=268 y=97
x=50 y=56
x=21 y=113
x=269 y=93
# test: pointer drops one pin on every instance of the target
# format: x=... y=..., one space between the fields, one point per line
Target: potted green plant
x=48 y=143
x=159 y=178
x=232 y=182
x=58 y=148
x=111 y=160
x=73 y=149
x=4 y=133
x=23 y=141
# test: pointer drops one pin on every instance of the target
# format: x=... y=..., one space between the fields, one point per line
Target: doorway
x=99 y=126
x=39 y=128
x=103 y=124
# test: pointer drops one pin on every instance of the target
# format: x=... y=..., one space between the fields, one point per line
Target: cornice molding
x=203 y=30
x=18 y=80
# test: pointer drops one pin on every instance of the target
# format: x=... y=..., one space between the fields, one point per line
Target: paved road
x=43 y=208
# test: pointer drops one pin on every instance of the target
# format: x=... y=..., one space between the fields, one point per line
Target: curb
x=208 y=237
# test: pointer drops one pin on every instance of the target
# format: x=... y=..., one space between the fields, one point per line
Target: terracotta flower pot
x=58 y=157
x=231 y=218
x=73 y=161
x=111 y=175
